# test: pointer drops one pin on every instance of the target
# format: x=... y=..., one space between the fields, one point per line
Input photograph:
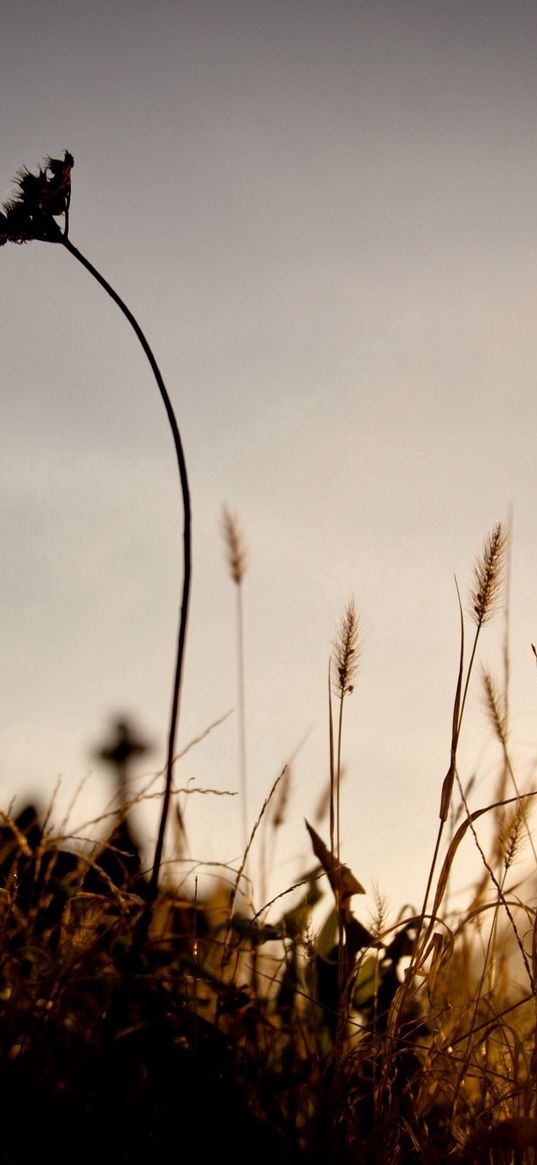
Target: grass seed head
x=489 y=576
x=346 y=651
x=236 y=553
x=509 y=834
x=494 y=706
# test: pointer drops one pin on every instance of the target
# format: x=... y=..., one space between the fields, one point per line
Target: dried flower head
x=488 y=576
x=510 y=833
x=345 y=655
x=39 y=200
x=236 y=553
x=495 y=706
x=379 y=919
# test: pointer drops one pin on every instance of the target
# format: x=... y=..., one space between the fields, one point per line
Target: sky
x=323 y=214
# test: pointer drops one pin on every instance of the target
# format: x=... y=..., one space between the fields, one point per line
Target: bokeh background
x=323 y=213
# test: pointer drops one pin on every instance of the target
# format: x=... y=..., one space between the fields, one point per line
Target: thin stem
x=338 y=777
x=507 y=618
x=242 y=716
x=332 y=769
x=187 y=570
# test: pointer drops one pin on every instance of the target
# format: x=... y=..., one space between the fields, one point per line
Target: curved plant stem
x=242 y=716
x=187 y=570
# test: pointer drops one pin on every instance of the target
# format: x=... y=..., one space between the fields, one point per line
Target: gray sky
x=324 y=216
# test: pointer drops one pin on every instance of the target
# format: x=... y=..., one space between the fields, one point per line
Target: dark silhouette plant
x=31 y=214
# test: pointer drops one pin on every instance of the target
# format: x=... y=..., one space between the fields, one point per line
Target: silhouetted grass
x=407 y=1040
x=139 y=1023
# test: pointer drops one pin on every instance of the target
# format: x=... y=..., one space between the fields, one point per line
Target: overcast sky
x=324 y=215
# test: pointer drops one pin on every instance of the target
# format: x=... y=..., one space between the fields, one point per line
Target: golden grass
x=407 y=1040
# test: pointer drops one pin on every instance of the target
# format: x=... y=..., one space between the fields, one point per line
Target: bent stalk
x=187 y=570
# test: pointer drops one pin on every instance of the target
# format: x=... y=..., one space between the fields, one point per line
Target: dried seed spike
x=345 y=655
x=494 y=705
x=509 y=833
x=236 y=553
x=489 y=576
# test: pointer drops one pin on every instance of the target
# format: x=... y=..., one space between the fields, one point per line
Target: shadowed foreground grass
x=251 y=1035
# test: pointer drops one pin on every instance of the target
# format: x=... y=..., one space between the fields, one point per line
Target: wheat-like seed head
x=378 y=920
x=509 y=834
x=489 y=576
x=236 y=553
x=494 y=705
x=345 y=654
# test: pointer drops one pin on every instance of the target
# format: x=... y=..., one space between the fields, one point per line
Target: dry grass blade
x=456 y=841
x=308 y=880
x=342 y=880
x=282 y=800
x=18 y=835
x=262 y=812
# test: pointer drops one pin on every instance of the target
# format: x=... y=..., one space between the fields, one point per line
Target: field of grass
x=140 y=1023
x=127 y=1033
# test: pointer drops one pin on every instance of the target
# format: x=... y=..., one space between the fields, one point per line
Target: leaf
x=341 y=879
x=327 y=938
x=367 y=982
x=357 y=936
x=442 y=950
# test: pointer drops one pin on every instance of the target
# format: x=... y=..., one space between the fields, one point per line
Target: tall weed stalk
x=237 y=560
x=31 y=214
